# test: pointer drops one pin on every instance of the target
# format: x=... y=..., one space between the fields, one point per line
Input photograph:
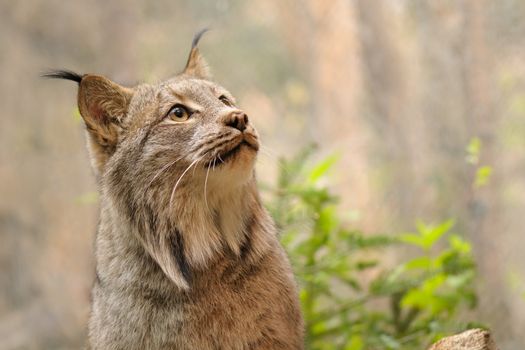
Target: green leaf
x=366 y=264
x=356 y=343
x=458 y=281
x=413 y=239
x=425 y=297
x=327 y=220
x=389 y=342
x=322 y=168
x=434 y=234
x=422 y=262
x=459 y=244
x=482 y=176
x=428 y=235
x=352 y=283
x=473 y=150
x=319 y=327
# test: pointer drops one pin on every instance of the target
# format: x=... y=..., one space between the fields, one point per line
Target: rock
x=473 y=339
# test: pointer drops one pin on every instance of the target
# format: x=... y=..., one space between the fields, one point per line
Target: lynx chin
x=186 y=255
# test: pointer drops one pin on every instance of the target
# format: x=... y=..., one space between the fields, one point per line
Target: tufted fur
x=187 y=257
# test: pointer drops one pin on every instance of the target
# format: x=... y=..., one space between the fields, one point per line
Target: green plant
x=351 y=299
x=482 y=172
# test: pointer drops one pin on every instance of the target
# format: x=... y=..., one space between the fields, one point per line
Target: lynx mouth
x=226 y=156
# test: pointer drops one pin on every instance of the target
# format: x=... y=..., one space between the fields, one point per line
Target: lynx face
x=189 y=130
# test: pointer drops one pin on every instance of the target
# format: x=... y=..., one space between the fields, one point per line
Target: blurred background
x=423 y=101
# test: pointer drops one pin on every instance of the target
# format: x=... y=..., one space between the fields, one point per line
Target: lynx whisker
x=180 y=178
x=206 y=188
x=269 y=151
x=273 y=157
x=164 y=168
x=217 y=143
x=268 y=154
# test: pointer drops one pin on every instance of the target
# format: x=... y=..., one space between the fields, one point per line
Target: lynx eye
x=178 y=113
x=226 y=100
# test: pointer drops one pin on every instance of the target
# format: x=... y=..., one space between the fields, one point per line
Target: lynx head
x=164 y=151
x=187 y=119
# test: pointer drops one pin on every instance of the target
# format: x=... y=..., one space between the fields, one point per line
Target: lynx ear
x=196 y=65
x=103 y=106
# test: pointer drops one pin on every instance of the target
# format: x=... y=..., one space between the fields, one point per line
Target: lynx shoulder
x=186 y=255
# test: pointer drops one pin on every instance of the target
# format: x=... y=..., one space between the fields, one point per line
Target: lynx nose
x=237 y=120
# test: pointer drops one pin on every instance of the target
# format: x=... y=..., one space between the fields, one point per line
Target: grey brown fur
x=186 y=255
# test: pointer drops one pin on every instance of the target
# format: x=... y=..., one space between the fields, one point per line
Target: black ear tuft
x=198 y=36
x=63 y=74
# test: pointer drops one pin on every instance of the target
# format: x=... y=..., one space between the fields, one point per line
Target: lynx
x=186 y=255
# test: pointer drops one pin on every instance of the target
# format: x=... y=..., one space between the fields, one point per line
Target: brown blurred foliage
x=398 y=88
